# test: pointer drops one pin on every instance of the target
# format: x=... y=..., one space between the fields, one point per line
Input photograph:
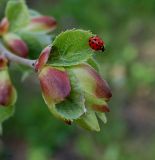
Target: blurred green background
x=128 y=64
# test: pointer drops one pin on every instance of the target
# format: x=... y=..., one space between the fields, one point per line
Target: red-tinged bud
x=96 y=90
x=4 y=25
x=7 y=90
x=43 y=58
x=16 y=44
x=42 y=24
x=55 y=84
x=3 y=62
x=5 y=93
x=91 y=82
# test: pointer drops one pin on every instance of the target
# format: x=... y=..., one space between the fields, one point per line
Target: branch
x=12 y=57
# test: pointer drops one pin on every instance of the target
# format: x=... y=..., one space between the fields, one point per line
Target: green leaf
x=36 y=42
x=73 y=106
x=89 y=121
x=17 y=14
x=71 y=47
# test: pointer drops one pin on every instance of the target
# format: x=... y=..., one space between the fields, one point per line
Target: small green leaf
x=6 y=112
x=89 y=121
x=71 y=47
x=17 y=14
x=92 y=62
x=36 y=42
x=73 y=106
x=102 y=116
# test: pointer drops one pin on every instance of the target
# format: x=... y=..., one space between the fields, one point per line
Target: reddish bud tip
x=43 y=58
x=3 y=62
x=42 y=23
x=101 y=108
x=4 y=25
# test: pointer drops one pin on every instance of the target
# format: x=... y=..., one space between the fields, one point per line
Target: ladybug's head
x=103 y=48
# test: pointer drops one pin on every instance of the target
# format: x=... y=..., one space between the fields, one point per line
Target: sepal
x=89 y=121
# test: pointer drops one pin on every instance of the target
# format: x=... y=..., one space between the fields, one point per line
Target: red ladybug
x=96 y=43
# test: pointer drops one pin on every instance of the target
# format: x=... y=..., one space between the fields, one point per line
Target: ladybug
x=96 y=43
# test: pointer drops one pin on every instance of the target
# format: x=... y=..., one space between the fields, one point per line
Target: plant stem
x=14 y=58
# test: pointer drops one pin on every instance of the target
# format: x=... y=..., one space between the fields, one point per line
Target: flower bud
x=43 y=58
x=4 y=25
x=16 y=45
x=96 y=90
x=55 y=84
x=7 y=90
x=42 y=24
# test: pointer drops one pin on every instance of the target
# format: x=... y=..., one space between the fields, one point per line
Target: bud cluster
x=14 y=42
x=56 y=87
